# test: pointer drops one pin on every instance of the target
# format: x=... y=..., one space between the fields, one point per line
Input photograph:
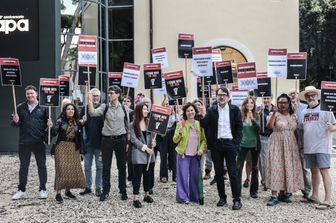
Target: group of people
x=280 y=141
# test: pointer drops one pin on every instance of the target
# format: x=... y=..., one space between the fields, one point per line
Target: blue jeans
x=96 y=152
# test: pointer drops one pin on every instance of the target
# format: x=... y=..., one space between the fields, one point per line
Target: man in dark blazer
x=225 y=132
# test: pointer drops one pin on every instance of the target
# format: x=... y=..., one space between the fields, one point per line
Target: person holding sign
x=298 y=107
x=32 y=120
x=114 y=138
x=317 y=127
x=190 y=139
x=225 y=132
x=142 y=147
x=92 y=145
x=283 y=166
x=250 y=142
x=68 y=153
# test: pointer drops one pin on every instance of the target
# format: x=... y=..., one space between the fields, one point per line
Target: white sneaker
x=43 y=194
x=18 y=195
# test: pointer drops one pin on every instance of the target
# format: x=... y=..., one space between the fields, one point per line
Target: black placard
x=175 y=86
x=207 y=85
x=224 y=74
x=328 y=96
x=49 y=92
x=82 y=75
x=185 y=45
x=10 y=72
x=297 y=66
x=264 y=87
x=158 y=120
x=64 y=86
x=152 y=76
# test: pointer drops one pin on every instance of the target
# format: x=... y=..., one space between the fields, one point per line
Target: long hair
x=290 y=107
x=138 y=116
x=63 y=113
x=244 y=110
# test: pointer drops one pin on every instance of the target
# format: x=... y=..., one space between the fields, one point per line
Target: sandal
x=323 y=206
x=310 y=200
x=246 y=183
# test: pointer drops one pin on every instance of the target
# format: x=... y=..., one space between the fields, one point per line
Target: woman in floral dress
x=283 y=166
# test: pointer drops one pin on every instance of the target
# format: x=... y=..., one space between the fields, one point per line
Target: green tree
x=317 y=38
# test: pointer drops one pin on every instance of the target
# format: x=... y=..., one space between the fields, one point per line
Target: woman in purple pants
x=190 y=140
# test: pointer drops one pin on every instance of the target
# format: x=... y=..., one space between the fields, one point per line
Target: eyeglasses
x=310 y=95
x=221 y=95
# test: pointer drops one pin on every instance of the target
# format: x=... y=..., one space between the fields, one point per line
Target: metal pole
x=107 y=41
x=151 y=40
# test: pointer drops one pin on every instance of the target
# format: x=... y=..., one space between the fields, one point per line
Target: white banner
x=248 y=83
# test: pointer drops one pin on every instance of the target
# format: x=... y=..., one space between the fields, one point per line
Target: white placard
x=216 y=56
x=159 y=55
x=248 y=83
x=162 y=90
x=237 y=97
x=277 y=63
x=202 y=61
x=130 y=75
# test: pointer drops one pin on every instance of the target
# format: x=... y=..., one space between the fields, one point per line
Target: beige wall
x=250 y=26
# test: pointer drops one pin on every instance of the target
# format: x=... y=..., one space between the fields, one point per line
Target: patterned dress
x=283 y=166
x=68 y=169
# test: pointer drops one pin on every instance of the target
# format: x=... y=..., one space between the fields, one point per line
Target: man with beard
x=317 y=129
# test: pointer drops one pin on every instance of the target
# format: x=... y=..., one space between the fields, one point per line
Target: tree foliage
x=317 y=38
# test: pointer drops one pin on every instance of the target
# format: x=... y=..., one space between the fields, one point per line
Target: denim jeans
x=96 y=152
x=263 y=155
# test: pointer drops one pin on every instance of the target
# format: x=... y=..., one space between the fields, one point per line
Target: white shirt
x=224 y=127
x=31 y=107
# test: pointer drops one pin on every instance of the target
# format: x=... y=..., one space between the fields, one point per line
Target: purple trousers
x=187 y=178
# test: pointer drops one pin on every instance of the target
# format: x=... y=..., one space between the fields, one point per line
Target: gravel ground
x=164 y=209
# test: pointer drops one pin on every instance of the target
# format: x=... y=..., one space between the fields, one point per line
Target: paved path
x=164 y=208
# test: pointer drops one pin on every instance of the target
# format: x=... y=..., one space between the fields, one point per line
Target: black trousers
x=119 y=147
x=139 y=170
x=228 y=150
x=129 y=164
x=168 y=155
x=240 y=163
x=39 y=151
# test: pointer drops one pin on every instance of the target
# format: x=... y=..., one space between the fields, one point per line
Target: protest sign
x=152 y=76
x=200 y=88
x=297 y=66
x=246 y=73
x=159 y=55
x=130 y=75
x=277 y=63
x=238 y=96
x=264 y=85
x=87 y=50
x=216 y=55
x=175 y=85
x=10 y=72
x=64 y=86
x=49 y=92
x=328 y=96
x=158 y=119
x=84 y=72
x=202 y=61
x=161 y=90
x=224 y=72
x=185 y=45
x=114 y=78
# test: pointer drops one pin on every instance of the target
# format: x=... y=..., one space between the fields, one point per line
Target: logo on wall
x=14 y=23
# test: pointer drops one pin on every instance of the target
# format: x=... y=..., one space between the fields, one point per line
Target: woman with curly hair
x=190 y=139
x=68 y=153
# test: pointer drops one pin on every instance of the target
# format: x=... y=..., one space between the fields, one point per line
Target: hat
x=309 y=89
